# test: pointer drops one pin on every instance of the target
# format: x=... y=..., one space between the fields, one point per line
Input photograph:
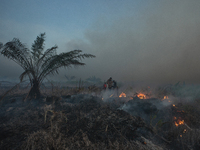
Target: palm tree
x=37 y=64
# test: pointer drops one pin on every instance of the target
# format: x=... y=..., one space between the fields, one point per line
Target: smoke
x=158 y=45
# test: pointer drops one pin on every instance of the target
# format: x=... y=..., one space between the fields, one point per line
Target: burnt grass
x=83 y=121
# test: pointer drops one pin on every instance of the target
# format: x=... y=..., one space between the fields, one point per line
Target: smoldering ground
x=68 y=118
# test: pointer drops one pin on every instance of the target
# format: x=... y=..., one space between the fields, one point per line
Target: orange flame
x=141 y=96
x=165 y=97
x=179 y=122
x=122 y=94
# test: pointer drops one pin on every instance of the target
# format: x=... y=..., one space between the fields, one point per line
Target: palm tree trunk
x=35 y=89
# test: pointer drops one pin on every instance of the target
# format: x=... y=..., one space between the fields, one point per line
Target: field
x=165 y=117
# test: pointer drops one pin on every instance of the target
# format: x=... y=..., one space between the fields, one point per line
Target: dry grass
x=36 y=124
x=47 y=141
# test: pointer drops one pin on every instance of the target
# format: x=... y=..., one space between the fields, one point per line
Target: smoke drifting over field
x=159 y=44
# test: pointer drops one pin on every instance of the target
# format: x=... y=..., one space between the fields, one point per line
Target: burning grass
x=69 y=120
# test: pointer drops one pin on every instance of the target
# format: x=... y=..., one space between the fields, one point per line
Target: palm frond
x=17 y=52
x=47 y=54
x=28 y=72
x=69 y=59
x=38 y=46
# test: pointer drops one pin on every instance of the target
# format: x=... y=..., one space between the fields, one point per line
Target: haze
x=153 y=41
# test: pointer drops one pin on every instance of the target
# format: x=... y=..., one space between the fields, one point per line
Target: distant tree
x=70 y=78
x=93 y=79
x=37 y=63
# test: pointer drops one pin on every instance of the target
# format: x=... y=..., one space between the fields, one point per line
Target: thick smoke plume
x=158 y=45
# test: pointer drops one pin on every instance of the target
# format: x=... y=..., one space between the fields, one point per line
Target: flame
x=141 y=96
x=174 y=105
x=122 y=94
x=179 y=122
x=165 y=97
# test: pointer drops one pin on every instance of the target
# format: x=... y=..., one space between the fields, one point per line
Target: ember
x=165 y=97
x=184 y=131
x=179 y=122
x=111 y=95
x=141 y=96
x=122 y=94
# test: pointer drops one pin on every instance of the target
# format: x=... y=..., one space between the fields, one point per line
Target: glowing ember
x=179 y=122
x=122 y=94
x=184 y=131
x=165 y=97
x=141 y=96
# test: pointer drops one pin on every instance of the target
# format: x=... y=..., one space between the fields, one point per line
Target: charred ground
x=80 y=119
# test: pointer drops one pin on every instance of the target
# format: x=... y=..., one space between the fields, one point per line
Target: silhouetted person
x=104 y=86
x=110 y=82
x=114 y=84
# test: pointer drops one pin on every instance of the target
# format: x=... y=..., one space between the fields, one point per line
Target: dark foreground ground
x=83 y=121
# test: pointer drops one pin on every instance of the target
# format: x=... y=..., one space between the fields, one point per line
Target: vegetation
x=93 y=79
x=70 y=78
x=69 y=118
x=37 y=63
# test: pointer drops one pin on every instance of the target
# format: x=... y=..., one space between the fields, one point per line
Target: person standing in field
x=110 y=83
x=114 y=84
x=104 y=86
